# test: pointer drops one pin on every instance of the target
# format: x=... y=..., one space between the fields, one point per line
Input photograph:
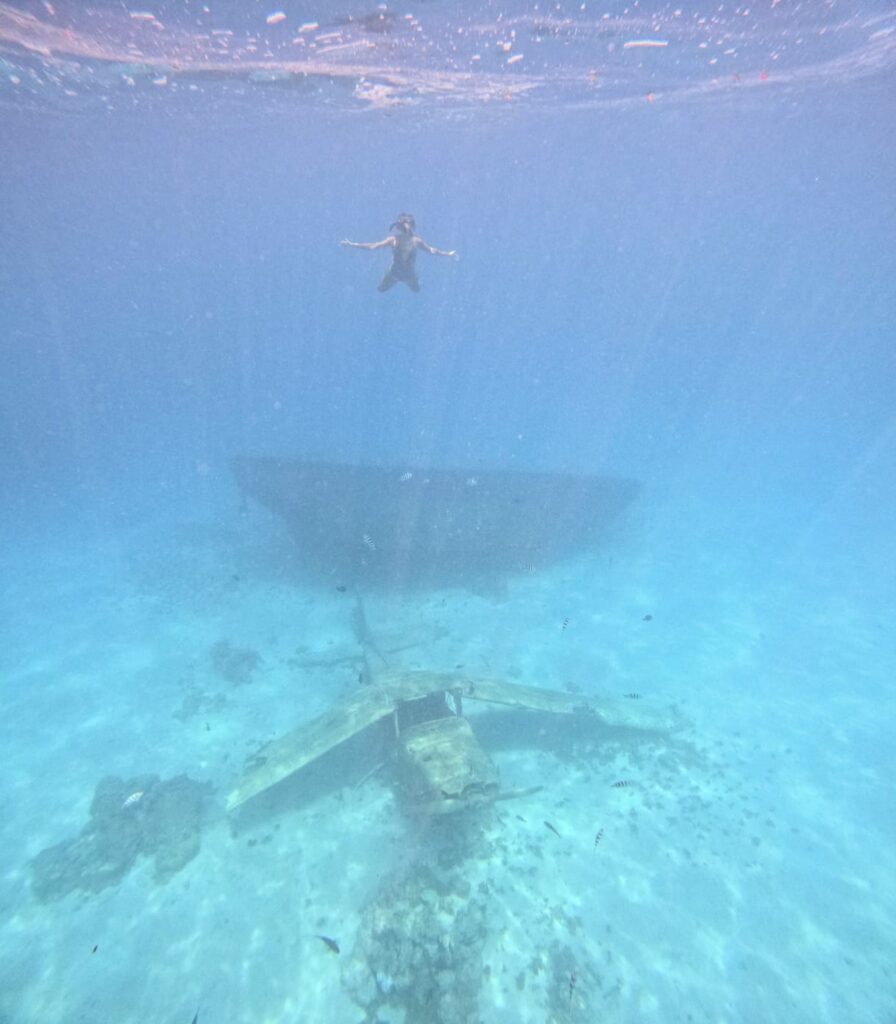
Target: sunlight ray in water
x=497 y=632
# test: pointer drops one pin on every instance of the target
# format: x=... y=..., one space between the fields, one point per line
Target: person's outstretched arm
x=386 y=242
x=433 y=251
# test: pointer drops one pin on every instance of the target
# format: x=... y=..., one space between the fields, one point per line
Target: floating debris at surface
x=437 y=59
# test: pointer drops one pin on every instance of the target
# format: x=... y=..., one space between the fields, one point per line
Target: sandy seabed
x=746 y=872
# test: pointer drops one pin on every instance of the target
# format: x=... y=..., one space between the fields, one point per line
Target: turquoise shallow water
x=676 y=267
x=745 y=873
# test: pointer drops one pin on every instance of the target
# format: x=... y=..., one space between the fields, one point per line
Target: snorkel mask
x=404 y=222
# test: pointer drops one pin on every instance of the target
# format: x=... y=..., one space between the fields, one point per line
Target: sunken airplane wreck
x=412 y=526
x=440 y=767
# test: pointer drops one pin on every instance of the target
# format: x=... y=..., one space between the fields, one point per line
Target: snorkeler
x=405 y=242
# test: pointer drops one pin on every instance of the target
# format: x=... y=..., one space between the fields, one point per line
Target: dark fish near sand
x=547 y=824
x=331 y=944
x=622 y=783
x=598 y=836
x=632 y=696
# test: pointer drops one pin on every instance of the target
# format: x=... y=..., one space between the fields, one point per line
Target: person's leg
x=386 y=282
x=413 y=283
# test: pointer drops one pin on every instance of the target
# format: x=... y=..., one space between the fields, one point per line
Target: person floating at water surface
x=404 y=242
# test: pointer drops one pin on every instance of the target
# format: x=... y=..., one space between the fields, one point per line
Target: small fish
x=647 y=618
x=133 y=799
x=195 y=1018
x=95 y=948
x=275 y=17
x=622 y=783
x=519 y=817
x=472 y=481
x=342 y=588
x=572 y=984
x=565 y=624
x=632 y=696
x=547 y=824
x=331 y=944
x=405 y=477
x=598 y=836
x=368 y=542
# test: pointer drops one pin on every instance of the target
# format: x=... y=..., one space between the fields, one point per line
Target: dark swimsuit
x=404 y=266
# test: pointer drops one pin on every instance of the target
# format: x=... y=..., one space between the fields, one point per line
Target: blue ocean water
x=688 y=285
